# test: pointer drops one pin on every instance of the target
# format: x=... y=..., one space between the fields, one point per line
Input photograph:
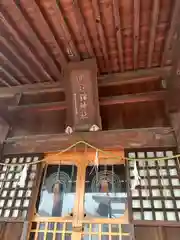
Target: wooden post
x=82 y=96
x=173 y=81
x=4 y=129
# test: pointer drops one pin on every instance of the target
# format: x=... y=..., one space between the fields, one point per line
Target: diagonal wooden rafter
x=14 y=15
x=32 y=12
x=6 y=75
x=100 y=30
x=5 y=62
x=83 y=28
x=5 y=83
x=9 y=32
x=136 y=31
x=117 y=20
x=9 y=48
x=154 y=22
x=171 y=32
x=55 y=16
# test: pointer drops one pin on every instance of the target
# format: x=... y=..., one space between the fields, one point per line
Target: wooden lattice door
x=82 y=200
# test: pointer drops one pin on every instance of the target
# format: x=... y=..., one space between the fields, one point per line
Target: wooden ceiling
x=39 y=37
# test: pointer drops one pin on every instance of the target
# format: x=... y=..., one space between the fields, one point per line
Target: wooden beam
x=10 y=67
x=52 y=106
x=133 y=76
x=31 y=89
x=130 y=98
x=103 y=81
x=133 y=138
x=100 y=30
x=8 y=77
x=5 y=83
x=82 y=95
x=136 y=31
x=133 y=98
x=117 y=19
x=154 y=22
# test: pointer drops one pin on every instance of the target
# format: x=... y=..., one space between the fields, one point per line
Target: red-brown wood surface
x=82 y=95
x=156 y=233
x=38 y=38
x=128 y=138
x=10 y=230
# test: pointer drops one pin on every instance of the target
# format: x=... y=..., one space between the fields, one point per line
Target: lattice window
x=63 y=231
x=107 y=231
x=158 y=195
x=51 y=230
x=14 y=200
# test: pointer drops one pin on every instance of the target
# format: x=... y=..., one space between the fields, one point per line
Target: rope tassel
x=23 y=176
x=137 y=178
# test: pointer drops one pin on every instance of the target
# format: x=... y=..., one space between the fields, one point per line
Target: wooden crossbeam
x=133 y=138
x=103 y=81
x=52 y=106
x=133 y=98
x=122 y=99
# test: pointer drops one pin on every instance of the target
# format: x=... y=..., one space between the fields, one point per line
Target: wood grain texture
x=134 y=138
x=156 y=233
x=10 y=230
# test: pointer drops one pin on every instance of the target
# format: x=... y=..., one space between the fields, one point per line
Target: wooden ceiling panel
x=106 y=8
x=38 y=38
x=145 y=16
x=53 y=14
x=73 y=15
x=21 y=24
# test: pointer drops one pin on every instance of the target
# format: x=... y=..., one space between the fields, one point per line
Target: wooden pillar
x=4 y=129
x=173 y=80
x=82 y=96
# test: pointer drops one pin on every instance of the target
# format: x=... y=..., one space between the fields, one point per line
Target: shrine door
x=82 y=197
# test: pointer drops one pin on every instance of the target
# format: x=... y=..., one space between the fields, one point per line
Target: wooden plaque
x=82 y=96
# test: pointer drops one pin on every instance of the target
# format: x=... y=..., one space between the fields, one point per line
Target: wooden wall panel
x=171 y=233
x=29 y=123
x=142 y=233
x=11 y=231
x=156 y=233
